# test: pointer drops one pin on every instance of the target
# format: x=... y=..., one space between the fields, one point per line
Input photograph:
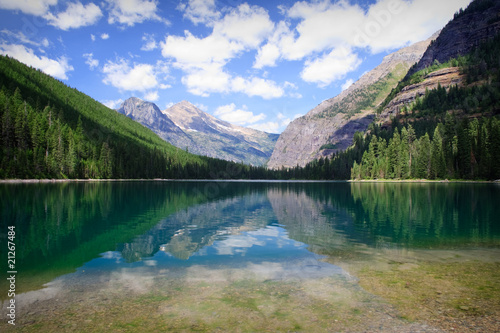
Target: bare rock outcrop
x=445 y=78
x=479 y=22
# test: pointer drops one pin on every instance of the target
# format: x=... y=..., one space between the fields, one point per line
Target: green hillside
x=368 y=97
x=452 y=133
x=49 y=130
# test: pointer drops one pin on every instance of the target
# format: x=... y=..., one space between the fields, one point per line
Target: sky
x=258 y=64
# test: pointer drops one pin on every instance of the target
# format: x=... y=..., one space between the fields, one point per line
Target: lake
x=252 y=256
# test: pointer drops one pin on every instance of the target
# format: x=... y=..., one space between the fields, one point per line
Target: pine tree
x=483 y=151
x=424 y=157
x=394 y=156
x=106 y=161
x=382 y=160
x=495 y=148
x=464 y=147
x=438 y=163
x=404 y=154
x=71 y=156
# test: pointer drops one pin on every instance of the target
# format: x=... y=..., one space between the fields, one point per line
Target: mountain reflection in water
x=273 y=230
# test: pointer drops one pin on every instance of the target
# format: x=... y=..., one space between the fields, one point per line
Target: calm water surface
x=130 y=236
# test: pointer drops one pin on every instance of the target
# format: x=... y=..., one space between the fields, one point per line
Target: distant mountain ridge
x=187 y=127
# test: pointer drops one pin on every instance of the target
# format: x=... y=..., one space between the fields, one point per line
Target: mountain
x=150 y=115
x=50 y=130
x=479 y=22
x=443 y=63
x=442 y=121
x=187 y=127
x=330 y=126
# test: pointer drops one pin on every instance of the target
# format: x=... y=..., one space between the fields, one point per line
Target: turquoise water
x=124 y=235
x=61 y=228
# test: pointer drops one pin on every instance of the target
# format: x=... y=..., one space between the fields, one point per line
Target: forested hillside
x=49 y=130
x=445 y=134
x=427 y=130
x=52 y=131
x=452 y=133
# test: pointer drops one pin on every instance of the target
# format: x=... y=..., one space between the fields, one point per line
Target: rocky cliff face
x=445 y=78
x=479 y=22
x=331 y=125
x=151 y=116
x=187 y=127
x=470 y=27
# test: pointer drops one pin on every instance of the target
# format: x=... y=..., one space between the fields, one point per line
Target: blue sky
x=258 y=64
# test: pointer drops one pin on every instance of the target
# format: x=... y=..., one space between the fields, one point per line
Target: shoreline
x=19 y=181
x=33 y=181
x=421 y=181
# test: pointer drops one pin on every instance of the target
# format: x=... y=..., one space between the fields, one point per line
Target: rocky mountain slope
x=330 y=126
x=151 y=116
x=187 y=127
x=479 y=22
x=444 y=77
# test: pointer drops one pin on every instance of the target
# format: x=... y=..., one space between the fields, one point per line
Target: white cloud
x=130 y=12
x=38 y=8
x=21 y=37
x=203 y=59
x=92 y=37
x=200 y=11
x=316 y=31
x=139 y=77
x=236 y=116
x=330 y=67
x=90 y=61
x=193 y=52
x=266 y=89
x=56 y=68
x=152 y=96
x=391 y=24
x=212 y=78
x=247 y=25
x=276 y=126
x=76 y=15
x=113 y=104
x=204 y=81
x=104 y=36
x=267 y=56
x=269 y=53
x=323 y=25
x=150 y=42
x=347 y=84
x=269 y=127
x=324 y=34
